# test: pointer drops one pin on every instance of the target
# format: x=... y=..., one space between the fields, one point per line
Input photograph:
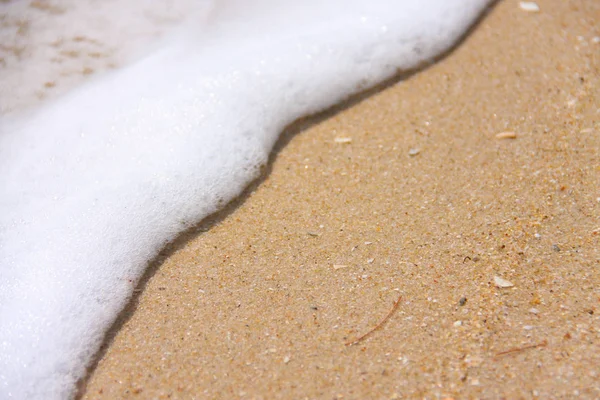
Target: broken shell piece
x=342 y=140
x=339 y=266
x=502 y=283
x=413 y=152
x=529 y=6
x=506 y=135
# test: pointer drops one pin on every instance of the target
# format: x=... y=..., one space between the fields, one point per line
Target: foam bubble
x=96 y=182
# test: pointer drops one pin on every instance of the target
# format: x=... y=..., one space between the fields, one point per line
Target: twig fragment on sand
x=544 y=343
x=379 y=325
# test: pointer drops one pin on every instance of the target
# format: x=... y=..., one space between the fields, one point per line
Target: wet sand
x=491 y=244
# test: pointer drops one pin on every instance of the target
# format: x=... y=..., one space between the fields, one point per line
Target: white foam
x=95 y=183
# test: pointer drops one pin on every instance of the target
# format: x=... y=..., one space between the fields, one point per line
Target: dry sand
x=260 y=304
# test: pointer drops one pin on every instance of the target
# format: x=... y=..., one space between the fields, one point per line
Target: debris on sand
x=502 y=283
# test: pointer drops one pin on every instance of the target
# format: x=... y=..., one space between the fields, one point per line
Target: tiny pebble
x=370 y=260
x=473 y=361
x=529 y=6
x=596 y=39
x=528 y=327
x=534 y=311
x=413 y=152
x=502 y=283
x=462 y=301
x=343 y=140
x=555 y=247
x=457 y=323
x=506 y=135
x=537 y=236
x=286 y=359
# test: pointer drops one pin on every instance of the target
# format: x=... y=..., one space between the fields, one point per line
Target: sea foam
x=94 y=183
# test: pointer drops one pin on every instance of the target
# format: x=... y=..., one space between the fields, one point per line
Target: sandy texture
x=261 y=305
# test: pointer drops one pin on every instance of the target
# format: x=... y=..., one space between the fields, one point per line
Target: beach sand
x=417 y=199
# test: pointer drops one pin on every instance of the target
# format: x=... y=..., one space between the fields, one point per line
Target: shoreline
x=263 y=303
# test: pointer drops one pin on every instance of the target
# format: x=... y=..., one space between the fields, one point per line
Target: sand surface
x=421 y=201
